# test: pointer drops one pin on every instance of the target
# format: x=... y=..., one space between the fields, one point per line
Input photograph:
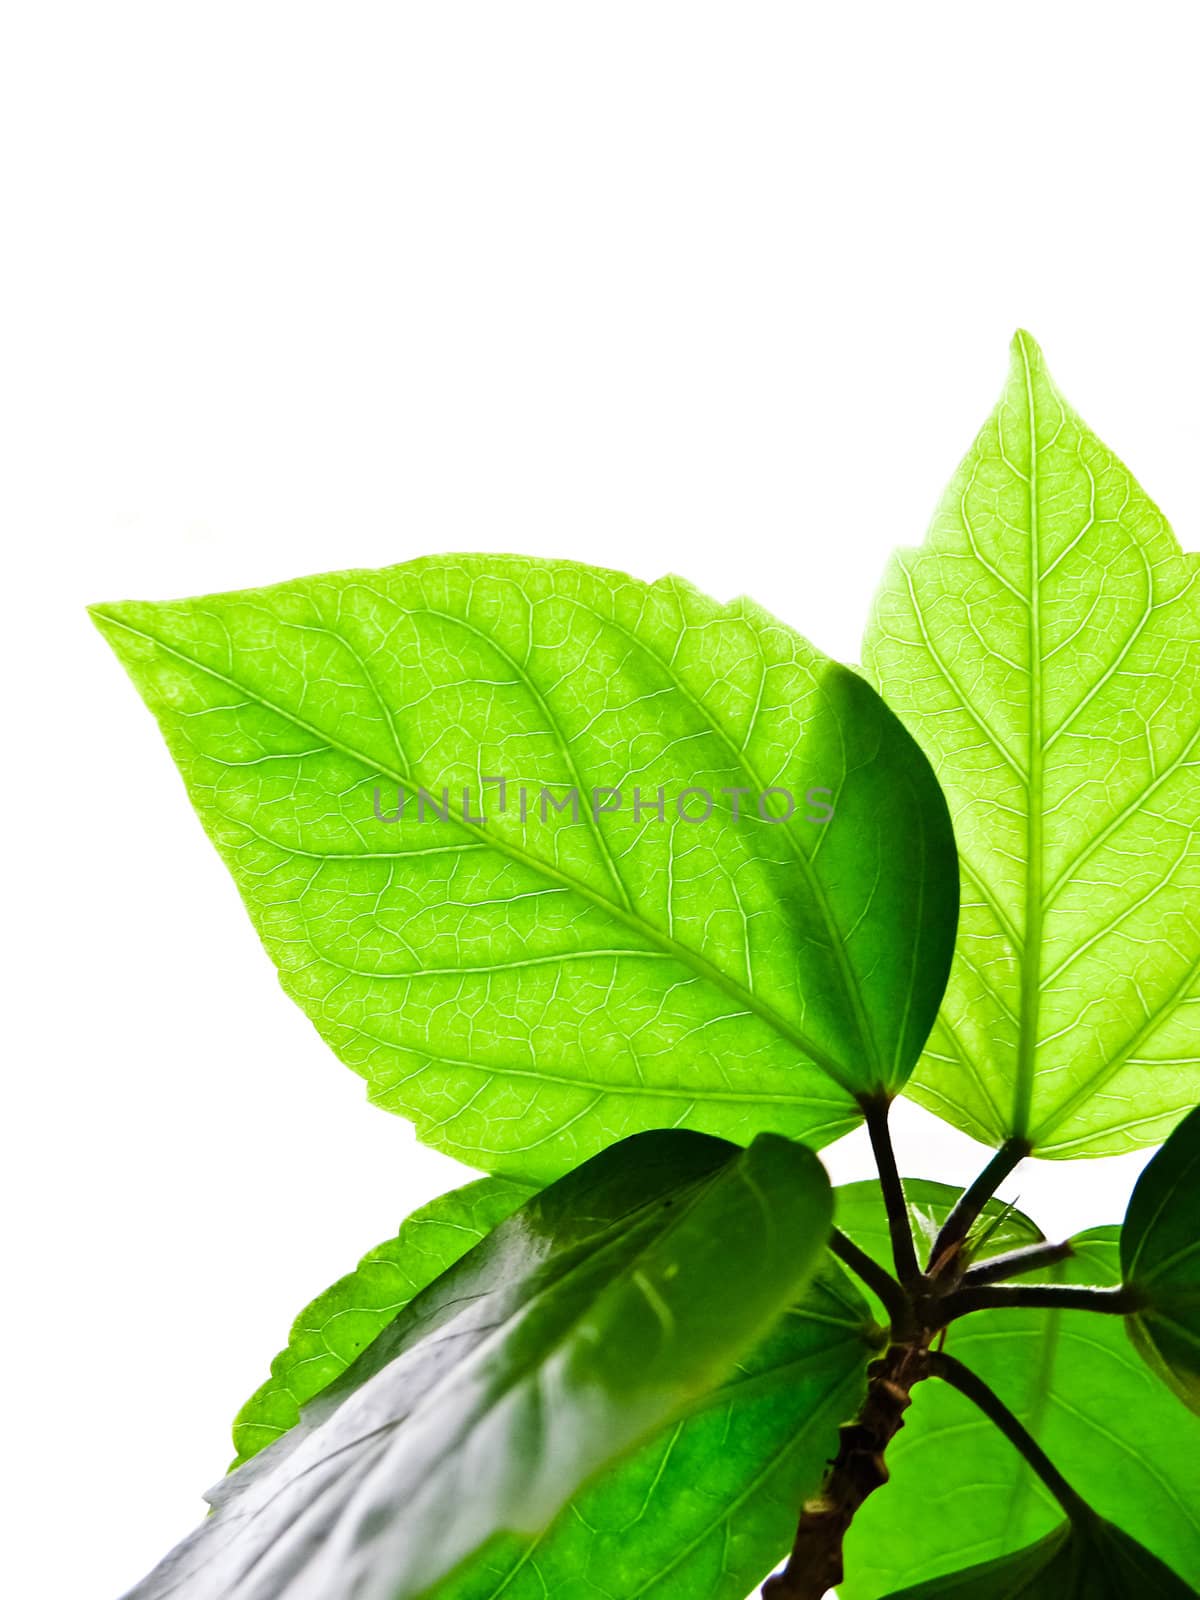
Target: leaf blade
x=528 y=990
x=1096 y=1560
x=1044 y=646
x=1160 y=1260
x=332 y=1330
x=601 y=1309
x=709 y=1504
x=959 y=1493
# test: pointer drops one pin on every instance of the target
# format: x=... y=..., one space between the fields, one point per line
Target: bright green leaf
x=1160 y=1257
x=529 y=990
x=605 y=1306
x=960 y=1493
x=1078 y=1561
x=338 y=1325
x=1044 y=647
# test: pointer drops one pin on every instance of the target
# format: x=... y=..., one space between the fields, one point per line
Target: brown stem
x=857 y=1470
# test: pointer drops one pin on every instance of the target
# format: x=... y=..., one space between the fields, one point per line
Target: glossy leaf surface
x=1095 y=1561
x=338 y=1325
x=596 y=1313
x=959 y=1493
x=1160 y=1256
x=534 y=985
x=707 y=1506
x=1044 y=646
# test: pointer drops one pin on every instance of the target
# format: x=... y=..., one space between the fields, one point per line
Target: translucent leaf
x=1044 y=647
x=532 y=986
x=959 y=1493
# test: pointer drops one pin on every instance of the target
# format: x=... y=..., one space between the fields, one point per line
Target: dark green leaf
x=531 y=987
x=605 y=1306
x=338 y=1325
x=1044 y=646
x=709 y=1507
x=1079 y=1561
x=960 y=1493
x=1160 y=1257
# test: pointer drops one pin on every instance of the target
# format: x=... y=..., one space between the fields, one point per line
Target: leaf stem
x=1117 y=1302
x=961 y=1377
x=1015 y=1263
x=904 y=1254
x=895 y=1301
x=973 y=1199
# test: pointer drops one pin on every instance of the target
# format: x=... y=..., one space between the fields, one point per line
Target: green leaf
x=529 y=990
x=860 y=1213
x=602 y=1308
x=1044 y=647
x=709 y=1507
x=1090 y=1560
x=338 y=1325
x=1160 y=1257
x=960 y=1493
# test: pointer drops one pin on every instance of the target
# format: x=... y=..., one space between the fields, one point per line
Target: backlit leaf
x=531 y=987
x=959 y=1493
x=1044 y=647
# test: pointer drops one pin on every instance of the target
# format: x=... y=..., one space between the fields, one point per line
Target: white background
x=717 y=289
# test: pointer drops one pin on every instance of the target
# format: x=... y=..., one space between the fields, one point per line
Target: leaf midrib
x=1031 y=953
x=686 y=956
x=816 y=888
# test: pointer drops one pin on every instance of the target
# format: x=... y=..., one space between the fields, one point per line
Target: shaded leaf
x=1078 y=1561
x=599 y=1310
x=959 y=1492
x=530 y=988
x=1044 y=647
x=1160 y=1257
x=339 y=1324
x=707 y=1507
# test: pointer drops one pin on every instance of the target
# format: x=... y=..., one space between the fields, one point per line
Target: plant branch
x=961 y=1377
x=858 y=1469
x=894 y=1299
x=973 y=1199
x=1014 y=1263
x=1118 y=1302
x=904 y=1252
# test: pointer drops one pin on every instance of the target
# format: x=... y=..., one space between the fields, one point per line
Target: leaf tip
x=1026 y=351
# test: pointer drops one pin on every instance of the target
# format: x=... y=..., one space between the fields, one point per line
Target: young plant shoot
x=634 y=901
